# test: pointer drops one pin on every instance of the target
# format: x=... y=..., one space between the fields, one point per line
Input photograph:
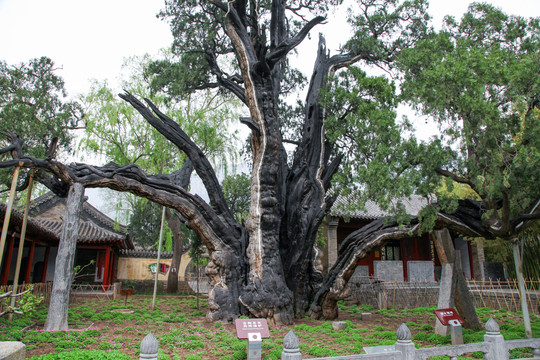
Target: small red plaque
x=244 y=327
x=446 y=315
x=126 y=292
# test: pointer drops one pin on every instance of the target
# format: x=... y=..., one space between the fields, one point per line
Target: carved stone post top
x=290 y=342
x=403 y=333
x=492 y=328
x=149 y=347
x=291 y=347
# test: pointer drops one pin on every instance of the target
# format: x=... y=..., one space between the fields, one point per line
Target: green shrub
x=105 y=345
x=239 y=355
x=420 y=337
x=438 y=339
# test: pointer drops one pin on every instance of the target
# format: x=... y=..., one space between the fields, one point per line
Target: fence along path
x=493 y=294
x=494 y=347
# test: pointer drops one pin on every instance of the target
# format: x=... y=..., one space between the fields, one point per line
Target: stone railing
x=494 y=347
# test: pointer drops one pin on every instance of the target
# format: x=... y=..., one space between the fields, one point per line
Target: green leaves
x=236 y=189
x=362 y=123
x=34 y=105
x=479 y=81
x=116 y=130
x=383 y=29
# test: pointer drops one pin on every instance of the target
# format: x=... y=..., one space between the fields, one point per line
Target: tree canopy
x=478 y=79
x=34 y=106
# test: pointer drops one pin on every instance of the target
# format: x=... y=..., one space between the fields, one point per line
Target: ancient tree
x=267 y=266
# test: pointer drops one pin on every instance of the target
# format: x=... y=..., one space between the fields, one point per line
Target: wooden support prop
x=23 y=236
x=7 y=217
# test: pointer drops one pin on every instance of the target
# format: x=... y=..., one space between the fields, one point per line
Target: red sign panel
x=447 y=315
x=244 y=327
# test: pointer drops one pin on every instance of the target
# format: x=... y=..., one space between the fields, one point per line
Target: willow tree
x=116 y=132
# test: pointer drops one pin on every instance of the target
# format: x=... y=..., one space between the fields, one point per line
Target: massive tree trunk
x=306 y=203
x=57 y=317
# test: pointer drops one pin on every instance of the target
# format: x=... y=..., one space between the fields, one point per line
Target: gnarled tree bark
x=57 y=317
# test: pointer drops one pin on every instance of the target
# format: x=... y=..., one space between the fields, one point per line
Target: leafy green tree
x=144 y=223
x=478 y=79
x=237 y=195
x=34 y=105
x=266 y=266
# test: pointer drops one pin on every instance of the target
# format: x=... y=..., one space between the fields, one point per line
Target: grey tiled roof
x=94 y=227
x=150 y=254
x=342 y=207
x=89 y=233
x=34 y=228
x=48 y=200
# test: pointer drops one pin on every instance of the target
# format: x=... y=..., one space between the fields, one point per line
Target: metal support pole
x=158 y=257
x=522 y=292
x=8 y=211
x=23 y=236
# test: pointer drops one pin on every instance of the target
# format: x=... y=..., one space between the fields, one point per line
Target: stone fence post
x=291 y=347
x=149 y=348
x=404 y=343
x=496 y=340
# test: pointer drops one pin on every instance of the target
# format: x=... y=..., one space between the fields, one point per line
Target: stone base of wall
x=12 y=350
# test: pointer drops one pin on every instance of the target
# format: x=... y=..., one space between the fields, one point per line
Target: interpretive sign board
x=446 y=316
x=244 y=327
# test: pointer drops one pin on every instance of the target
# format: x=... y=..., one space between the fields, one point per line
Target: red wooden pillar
x=107 y=271
x=7 y=261
x=45 y=264
x=112 y=268
x=30 y=260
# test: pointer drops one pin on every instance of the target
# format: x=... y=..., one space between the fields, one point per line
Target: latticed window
x=392 y=251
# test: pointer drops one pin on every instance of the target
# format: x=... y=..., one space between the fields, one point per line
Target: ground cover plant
x=109 y=330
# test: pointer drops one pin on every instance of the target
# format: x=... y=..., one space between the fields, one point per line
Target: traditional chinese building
x=409 y=259
x=98 y=245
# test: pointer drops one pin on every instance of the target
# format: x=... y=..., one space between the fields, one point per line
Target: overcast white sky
x=89 y=39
